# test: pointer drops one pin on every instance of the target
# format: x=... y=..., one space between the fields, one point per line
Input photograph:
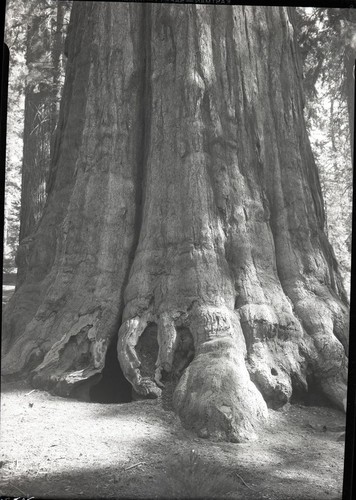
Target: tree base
x=215 y=396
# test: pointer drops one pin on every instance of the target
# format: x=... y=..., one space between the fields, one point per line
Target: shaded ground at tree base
x=53 y=447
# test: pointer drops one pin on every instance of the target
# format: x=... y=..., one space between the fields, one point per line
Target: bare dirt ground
x=59 y=448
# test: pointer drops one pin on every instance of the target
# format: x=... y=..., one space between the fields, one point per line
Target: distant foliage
x=327 y=38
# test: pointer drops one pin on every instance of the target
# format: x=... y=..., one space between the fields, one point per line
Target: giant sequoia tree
x=184 y=215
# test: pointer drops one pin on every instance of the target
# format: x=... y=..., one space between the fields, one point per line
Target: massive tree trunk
x=185 y=212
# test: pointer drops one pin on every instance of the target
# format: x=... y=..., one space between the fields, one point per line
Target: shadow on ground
x=177 y=477
x=58 y=448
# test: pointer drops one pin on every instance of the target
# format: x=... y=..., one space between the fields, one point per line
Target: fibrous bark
x=185 y=211
x=38 y=123
x=44 y=46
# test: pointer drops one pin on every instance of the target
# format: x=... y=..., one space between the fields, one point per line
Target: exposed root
x=129 y=335
x=215 y=395
x=147 y=380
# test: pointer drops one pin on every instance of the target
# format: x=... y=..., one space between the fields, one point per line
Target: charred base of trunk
x=313 y=396
x=113 y=386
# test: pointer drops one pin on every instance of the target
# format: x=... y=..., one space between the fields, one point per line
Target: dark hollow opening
x=147 y=352
x=274 y=371
x=312 y=396
x=113 y=386
x=183 y=356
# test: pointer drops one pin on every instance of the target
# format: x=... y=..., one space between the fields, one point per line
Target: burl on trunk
x=185 y=212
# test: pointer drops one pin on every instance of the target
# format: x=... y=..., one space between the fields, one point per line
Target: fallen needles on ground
x=135 y=465
x=28 y=393
x=247 y=486
x=18 y=489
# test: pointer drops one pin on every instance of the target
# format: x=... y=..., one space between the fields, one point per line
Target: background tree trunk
x=42 y=96
x=37 y=127
x=350 y=57
x=185 y=211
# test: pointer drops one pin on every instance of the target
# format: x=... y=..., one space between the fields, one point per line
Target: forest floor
x=58 y=448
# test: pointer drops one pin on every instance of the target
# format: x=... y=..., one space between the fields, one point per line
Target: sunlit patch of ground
x=57 y=447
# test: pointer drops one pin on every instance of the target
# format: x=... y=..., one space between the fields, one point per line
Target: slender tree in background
x=184 y=221
x=44 y=47
x=35 y=35
x=38 y=126
x=328 y=46
x=14 y=30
